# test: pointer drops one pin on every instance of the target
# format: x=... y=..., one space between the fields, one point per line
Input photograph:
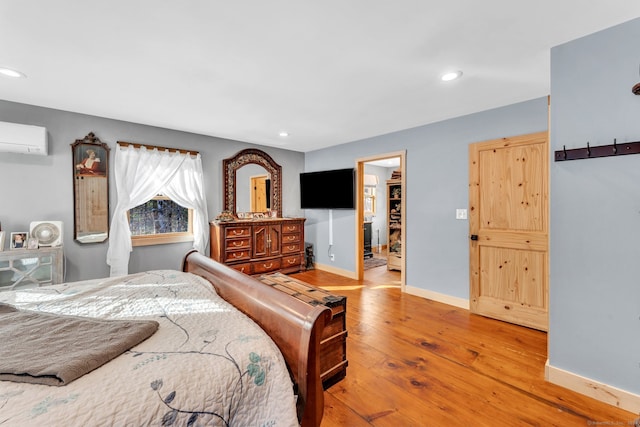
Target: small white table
x=31 y=268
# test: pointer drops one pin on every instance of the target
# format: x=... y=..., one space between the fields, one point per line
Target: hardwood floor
x=416 y=362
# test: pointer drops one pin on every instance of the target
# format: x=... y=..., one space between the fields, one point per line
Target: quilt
x=208 y=364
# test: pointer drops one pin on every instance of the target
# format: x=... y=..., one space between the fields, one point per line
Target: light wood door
x=508 y=224
x=259 y=193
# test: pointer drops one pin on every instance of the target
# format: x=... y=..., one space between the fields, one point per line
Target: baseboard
x=599 y=391
x=335 y=270
x=436 y=296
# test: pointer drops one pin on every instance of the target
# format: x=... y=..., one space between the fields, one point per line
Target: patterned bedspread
x=208 y=364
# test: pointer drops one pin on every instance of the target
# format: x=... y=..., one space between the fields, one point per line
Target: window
x=160 y=221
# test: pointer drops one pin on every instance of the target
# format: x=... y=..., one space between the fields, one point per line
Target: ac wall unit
x=26 y=139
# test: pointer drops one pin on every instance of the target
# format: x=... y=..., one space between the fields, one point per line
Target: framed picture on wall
x=19 y=240
x=90 y=159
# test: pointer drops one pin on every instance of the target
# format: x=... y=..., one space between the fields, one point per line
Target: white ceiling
x=326 y=71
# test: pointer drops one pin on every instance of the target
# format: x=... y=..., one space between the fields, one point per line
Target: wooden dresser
x=259 y=246
x=333 y=347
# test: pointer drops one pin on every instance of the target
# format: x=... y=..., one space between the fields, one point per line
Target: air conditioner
x=27 y=139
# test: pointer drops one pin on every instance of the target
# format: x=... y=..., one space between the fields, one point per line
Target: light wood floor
x=416 y=362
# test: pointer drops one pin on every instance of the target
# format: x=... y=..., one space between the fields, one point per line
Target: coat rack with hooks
x=589 y=152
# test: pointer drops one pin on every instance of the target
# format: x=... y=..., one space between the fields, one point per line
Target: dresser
x=259 y=246
x=31 y=268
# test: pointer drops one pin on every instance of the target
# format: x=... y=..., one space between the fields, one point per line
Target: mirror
x=252 y=183
x=252 y=189
x=91 y=189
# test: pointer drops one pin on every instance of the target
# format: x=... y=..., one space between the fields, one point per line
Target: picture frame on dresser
x=18 y=240
x=32 y=243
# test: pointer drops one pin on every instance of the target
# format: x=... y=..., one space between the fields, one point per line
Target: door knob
x=474 y=237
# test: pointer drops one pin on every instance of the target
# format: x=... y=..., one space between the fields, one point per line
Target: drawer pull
x=268 y=266
x=238 y=233
x=291 y=247
x=291 y=261
x=238 y=255
x=291 y=237
x=237 y=244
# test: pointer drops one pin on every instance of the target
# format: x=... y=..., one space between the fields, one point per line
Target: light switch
x=461 y=214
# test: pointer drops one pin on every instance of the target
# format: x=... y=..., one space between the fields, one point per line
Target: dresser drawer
x=241 y=243
x=241 y=231
x=291 y=228
x=245 y=267
x=290 y=238
x=291 y=261
x=237 y=255
x=266 y=266
x=291 y=248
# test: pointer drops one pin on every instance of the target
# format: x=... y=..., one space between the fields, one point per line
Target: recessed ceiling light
x=447 y=77
x=11 y=73
x=284 y=134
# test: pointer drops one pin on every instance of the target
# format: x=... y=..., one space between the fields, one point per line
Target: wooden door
x=508 y=224
x=275 y=239
x=258 y=194
x=266 y=240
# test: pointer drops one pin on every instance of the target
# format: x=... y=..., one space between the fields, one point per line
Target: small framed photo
x=2 y=234
x=32 y=243
x=18 y=240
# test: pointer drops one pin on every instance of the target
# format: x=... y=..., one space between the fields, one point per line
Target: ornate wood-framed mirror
x=90 y=189
x=232 y=185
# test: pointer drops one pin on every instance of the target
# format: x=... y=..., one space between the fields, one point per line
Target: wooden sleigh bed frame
x=295 y=327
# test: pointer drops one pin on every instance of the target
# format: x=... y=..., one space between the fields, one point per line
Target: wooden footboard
x=294 y=326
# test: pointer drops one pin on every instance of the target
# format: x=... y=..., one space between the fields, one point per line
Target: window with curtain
x=160 y=221
x=140 y=175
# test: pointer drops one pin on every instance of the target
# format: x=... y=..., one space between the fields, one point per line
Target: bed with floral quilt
x=201 y=361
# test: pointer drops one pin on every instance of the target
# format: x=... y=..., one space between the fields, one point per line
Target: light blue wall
x=437 y=253
x=595 y=209
x=36 y=188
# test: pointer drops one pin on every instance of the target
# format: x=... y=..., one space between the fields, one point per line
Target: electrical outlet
x=461 y=214
x=332 y=257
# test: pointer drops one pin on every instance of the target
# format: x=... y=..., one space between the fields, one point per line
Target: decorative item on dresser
x=259 y=246
x=333 y=345
x=394 y=226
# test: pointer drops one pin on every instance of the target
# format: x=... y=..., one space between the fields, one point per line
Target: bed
x=206 y=364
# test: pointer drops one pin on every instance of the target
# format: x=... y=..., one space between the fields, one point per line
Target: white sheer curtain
x=142 y=174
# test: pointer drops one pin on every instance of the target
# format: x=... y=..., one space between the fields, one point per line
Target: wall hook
x=590 y=152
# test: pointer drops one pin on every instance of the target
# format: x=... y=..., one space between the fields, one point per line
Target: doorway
x=372 y=217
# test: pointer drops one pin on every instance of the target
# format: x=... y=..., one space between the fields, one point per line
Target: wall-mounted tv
x=331 y=189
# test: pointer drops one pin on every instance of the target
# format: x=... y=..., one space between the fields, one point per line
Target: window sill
x=160 y=239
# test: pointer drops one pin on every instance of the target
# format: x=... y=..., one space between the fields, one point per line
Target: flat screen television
x=330 y=189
